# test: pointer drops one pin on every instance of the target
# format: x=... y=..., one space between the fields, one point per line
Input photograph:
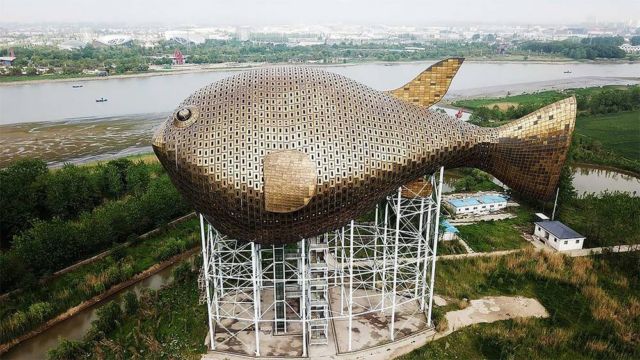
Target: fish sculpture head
x=275 y=155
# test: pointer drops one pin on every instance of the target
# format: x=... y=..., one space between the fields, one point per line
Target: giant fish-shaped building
x=274 y=155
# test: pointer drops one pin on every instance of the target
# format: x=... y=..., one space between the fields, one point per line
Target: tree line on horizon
x=587 y=48
x=138 y=58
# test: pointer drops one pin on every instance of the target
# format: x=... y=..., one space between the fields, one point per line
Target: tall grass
x=593 y=302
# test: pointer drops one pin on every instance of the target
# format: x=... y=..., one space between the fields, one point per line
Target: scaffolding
x=299 y=289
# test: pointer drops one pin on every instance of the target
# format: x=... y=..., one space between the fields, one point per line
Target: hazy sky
x=260 y=12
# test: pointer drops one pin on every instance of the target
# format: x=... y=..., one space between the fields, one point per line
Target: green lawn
x=618 y=132
x=488 y=236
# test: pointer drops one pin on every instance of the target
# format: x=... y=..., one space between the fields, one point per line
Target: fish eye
x=185 y=116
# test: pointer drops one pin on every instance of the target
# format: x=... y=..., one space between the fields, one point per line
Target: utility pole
x=553 y=215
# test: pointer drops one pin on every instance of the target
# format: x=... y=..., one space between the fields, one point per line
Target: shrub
x=12 y=269
x=131 y=303
x=183 y=272
x=39 y=311
x=439 y=319
x=171 y=247
x=15 y=324
x=67 y=350
x=109 y=316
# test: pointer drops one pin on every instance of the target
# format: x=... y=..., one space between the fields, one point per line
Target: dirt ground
x=494 y=308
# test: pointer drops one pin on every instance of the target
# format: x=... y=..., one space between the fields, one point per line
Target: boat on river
x=101 y=100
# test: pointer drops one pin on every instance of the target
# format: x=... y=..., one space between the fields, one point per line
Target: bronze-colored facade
x=277 y=154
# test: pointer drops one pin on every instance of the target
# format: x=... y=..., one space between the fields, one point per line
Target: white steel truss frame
x=377 y=267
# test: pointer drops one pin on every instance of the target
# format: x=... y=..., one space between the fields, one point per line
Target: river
x=55 y=101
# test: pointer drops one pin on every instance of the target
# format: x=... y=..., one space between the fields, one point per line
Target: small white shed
x=558 y=235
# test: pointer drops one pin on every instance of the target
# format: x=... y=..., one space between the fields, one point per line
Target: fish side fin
x=529 y=153
x=431 y=85
x=290 y=178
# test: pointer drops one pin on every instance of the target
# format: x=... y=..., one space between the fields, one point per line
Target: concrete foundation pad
x=370 y=333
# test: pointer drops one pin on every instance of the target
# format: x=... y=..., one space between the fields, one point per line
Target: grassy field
x=535 y=98
x=488 y=236
x=617 y=132
x=604 y=139
x=7 y=78
x=451 y=248
x=546 y=97
x=593 y=302
x=606 y=220
x=29 y=308
x=594 y=307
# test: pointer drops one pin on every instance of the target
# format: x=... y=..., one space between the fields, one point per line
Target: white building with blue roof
x=449 y=232
x=558 y=235
x=480 y=204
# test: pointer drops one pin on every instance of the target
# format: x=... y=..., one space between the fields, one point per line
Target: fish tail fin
x=430 y=85
x=529 y=153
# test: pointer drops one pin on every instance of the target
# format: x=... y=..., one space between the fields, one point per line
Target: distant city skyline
x=265 y=12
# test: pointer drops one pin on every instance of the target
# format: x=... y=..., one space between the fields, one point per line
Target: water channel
x=75 y=327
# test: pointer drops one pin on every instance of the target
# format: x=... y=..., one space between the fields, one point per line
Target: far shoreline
x=205 y=68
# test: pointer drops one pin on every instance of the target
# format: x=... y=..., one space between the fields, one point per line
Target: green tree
x=19 y=200
x=111 y=183
x=138 y=178
x=566 y=189
x=69 y=191
x=49 y=245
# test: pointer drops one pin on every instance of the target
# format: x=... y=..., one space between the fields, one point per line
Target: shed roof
x=477 y=200
x=449 y=228
x=464 y=202
x=559 y=230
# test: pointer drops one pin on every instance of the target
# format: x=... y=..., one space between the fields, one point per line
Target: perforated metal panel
x=364 y=143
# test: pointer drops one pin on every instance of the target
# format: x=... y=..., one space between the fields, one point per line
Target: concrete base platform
x=370 y=336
